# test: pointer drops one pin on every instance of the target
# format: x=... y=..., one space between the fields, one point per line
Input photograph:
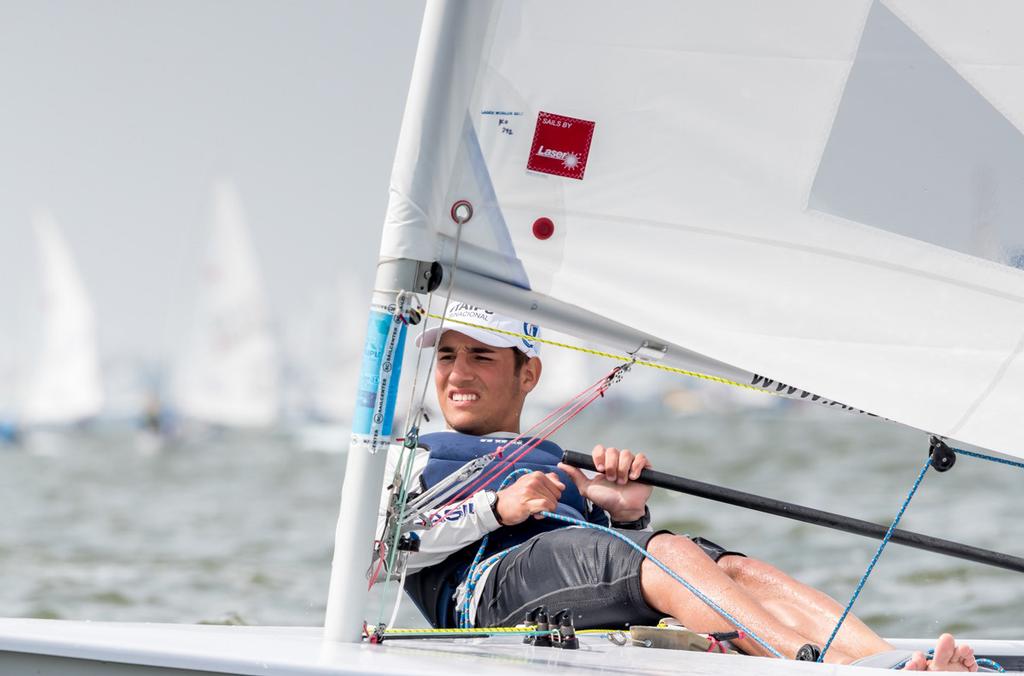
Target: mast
x=447 y=59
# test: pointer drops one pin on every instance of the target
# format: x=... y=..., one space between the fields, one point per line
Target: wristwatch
x=492 y=500
x=639 y=524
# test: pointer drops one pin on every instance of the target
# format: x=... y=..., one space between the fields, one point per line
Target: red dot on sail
x=543 y=228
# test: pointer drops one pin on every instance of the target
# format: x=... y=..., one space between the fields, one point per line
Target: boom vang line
x=618 y=357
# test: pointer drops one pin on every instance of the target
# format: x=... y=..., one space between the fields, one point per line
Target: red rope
x=533 y=442
x=382 y=552
x=561 y=415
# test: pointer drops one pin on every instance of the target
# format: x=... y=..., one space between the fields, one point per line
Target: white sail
x=337 y=349
x=799 y=189
x=229 y=373
x=65 y=385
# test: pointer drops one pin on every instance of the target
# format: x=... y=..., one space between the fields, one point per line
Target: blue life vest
x=432 y=589
x=449 y=451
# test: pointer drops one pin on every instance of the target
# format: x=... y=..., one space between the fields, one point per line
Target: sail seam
x=990 y=388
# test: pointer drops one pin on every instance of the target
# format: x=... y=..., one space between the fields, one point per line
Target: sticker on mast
x=561 y=145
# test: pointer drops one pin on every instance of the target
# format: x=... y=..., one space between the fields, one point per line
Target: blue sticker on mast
x=378 y=381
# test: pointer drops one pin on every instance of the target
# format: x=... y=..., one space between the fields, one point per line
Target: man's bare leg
x=802 y=608
x=814 y=613
x=781 y=611
x=667 y=596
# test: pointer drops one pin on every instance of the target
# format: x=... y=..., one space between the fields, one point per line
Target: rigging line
x=982 y=662
x=410 y=420
x=489 y=474
x=526 y=449
x=575 y=404
x=671 y=573
x=618 y=357
x=401 y=478
x=529 y=433
x=478 y=568
x=447 y=299
x=533 y=439
x=408 y=455
x=874 y=559
x=481 y=632
x=990 y=458
x=403 y=467
x=403 y=492
x=478 y=483
x=398 y=597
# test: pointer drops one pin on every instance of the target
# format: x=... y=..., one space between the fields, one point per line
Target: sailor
x=482 y=378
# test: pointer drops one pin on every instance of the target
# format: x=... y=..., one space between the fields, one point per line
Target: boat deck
x=59 y=646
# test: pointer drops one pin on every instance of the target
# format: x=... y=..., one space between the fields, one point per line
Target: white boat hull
x=49 y=647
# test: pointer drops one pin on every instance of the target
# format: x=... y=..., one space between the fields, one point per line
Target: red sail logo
x=561 y=145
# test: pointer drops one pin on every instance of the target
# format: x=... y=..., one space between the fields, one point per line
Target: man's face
x=477 y=385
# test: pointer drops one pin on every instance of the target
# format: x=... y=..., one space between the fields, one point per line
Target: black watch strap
x=641 y=523
x=493 y=499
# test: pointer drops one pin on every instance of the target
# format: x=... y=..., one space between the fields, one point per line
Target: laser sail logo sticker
x=561 y=145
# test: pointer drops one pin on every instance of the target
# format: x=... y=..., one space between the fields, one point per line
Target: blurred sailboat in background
x=228 y=374
x=64 y=387
x=326 y=355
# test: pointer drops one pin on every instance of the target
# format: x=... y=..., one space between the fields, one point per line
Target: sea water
x=238 y=528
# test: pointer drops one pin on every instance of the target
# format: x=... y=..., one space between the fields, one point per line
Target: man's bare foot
x=948 y=657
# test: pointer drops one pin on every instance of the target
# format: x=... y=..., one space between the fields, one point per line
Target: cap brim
x=430 y=337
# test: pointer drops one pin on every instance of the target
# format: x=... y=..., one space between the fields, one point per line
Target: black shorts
x=589 y=571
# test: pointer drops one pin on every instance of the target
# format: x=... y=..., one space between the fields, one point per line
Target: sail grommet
x=462 y=212
x=543 y=228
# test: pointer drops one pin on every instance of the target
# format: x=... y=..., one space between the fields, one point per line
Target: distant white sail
x=229 y=372
x=330 y=350
x=823 y=193
x=65 y=386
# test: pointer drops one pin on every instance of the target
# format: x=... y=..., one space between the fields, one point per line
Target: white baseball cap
x=464 y=312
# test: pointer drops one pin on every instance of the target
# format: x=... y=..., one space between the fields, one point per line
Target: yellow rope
x=477 y=630
x=609 y=355
x=585 y=632
x=494 y=630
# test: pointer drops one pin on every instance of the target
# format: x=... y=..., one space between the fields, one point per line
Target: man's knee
x=670 y=546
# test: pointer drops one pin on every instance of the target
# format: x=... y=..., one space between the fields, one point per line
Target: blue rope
x=478 y=568
x=671 y=573
x=874 y=559
x=990 y=458
x=982 y=662
x=991 y=664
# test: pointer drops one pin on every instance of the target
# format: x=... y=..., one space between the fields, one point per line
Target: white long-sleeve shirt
x=464 y=522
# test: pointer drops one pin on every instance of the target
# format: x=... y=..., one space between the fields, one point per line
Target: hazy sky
x=117 y=116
